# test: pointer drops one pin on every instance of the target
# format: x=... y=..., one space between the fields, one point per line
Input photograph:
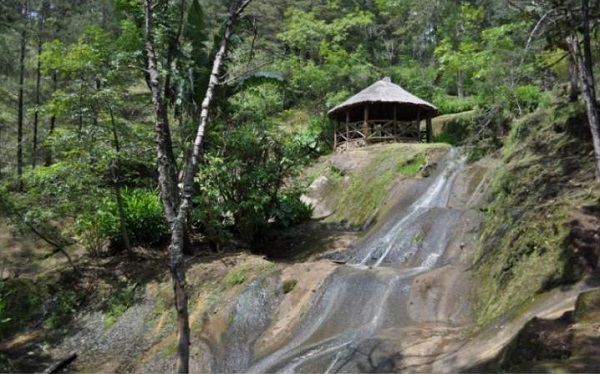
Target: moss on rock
x=527 y=244
x=359 y=181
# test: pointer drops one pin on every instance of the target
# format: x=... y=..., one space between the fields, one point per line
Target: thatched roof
x=385 y=92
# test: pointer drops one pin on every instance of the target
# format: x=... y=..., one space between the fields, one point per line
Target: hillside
x=123 y=314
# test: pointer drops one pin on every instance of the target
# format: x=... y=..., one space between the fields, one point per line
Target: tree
x=177 y=204
x=569 y=19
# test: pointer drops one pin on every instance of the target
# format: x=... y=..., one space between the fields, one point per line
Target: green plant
x=241 y=183
x=418 y=239
x=447 y=104
x=412 y=167
x=528 y=98
x=235 y=277
x=20 y=305
x=118 y=305
x=4 y=319
x=144 y=221
x=62 y=308
x=290 y=209
x=457 y=130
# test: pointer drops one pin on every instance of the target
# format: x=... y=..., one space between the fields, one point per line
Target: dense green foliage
x=145 y=221
x=288 y=65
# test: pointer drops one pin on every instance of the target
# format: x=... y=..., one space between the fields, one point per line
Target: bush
x=241 y=181
x=20 y=305
x=312 y=140
x=447 y=104
x=290 y=210
x=144 y=220
x=528 y=98
x=457 y=130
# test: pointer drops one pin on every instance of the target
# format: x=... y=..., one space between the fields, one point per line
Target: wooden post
x=419 y=125
x=395 y=122
x=336 y=124
x=429 y=129
x=366 y=121
x=347 y=128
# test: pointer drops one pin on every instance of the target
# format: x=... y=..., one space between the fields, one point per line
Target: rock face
x=403 y=295
x=441 y=295
x=314 y=198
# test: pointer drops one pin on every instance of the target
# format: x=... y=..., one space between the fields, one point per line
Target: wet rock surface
x=399 y=296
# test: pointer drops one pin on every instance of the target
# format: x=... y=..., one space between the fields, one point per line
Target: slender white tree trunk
x=177 y=207
x=589 y=97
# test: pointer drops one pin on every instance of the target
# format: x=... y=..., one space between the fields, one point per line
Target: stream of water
x=349 y=323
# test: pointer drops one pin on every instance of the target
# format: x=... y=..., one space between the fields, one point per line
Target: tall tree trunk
x=21 y=109
x=48 y=160
x=177 y=210
x=38 y=81
x=460 y=84
x=589 y=98
x=115 y=170
x=587 y=44
x=167 y=182
x=573 y=78
x=167 y=174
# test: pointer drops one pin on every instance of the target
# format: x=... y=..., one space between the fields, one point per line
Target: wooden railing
x=379 y=131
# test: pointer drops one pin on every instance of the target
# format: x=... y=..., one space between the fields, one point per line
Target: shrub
x=119 y=303
x=290 y=210
x=412 y=167
x=456 y=130
x=242 y=177
x=528 y=98
x=447 y=104
x=312 y=140
x=235 y=277
x=144 y=220
x=20 y=305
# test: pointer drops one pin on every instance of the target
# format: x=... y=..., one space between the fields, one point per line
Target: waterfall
x=368 y=295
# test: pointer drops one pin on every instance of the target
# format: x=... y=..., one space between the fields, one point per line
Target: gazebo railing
x=378 y=131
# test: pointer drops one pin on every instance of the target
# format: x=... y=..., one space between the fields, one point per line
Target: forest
x=144 y=134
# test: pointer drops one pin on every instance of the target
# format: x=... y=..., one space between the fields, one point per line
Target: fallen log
x=66 y=361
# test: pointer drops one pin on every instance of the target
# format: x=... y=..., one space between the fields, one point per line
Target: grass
x=411 y=168
x=235 y=277
x=119 y=303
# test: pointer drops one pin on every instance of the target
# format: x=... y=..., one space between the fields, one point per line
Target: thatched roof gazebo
x=381 y=112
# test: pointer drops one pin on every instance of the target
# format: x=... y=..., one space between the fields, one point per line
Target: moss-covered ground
x=539 y=231
x=358 y=191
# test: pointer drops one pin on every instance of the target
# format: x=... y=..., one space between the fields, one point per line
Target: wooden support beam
x=429 y=129
x=347 y=128
x=419 y=125
x=336 y=124
x=395 y=119
x=366 y=120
